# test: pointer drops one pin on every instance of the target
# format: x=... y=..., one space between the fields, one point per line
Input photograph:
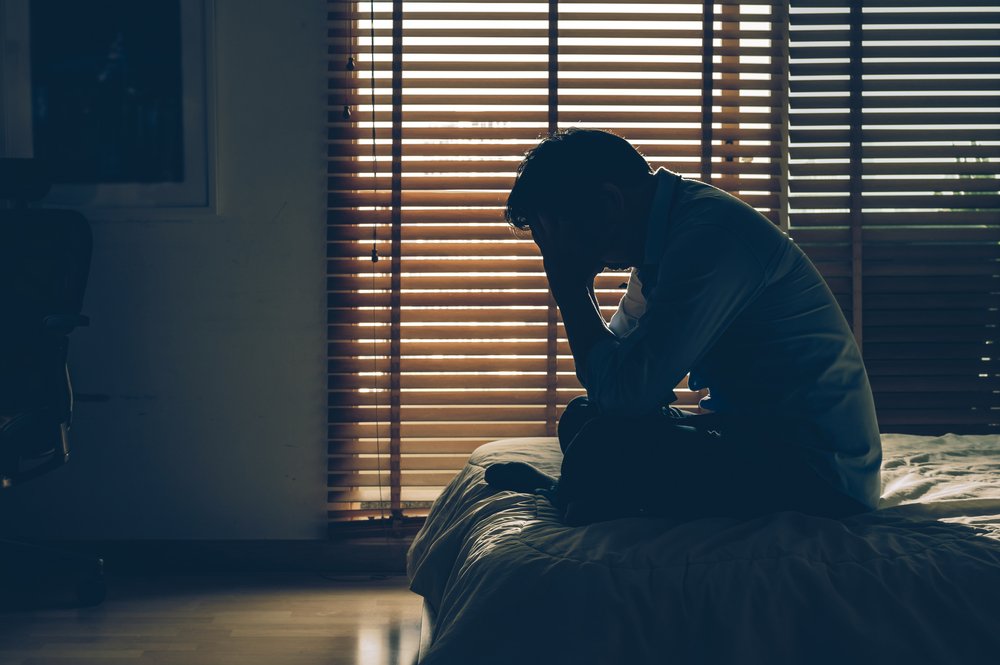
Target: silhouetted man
x=717 y=291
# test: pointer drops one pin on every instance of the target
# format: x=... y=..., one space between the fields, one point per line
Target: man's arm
x=581 y=314
x=570 y=268
x=707 y=277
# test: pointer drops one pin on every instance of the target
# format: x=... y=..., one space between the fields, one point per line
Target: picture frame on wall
x=114 y=96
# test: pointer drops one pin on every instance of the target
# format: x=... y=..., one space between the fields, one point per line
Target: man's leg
x=578 y=413
x=522 y=477
x=687 y=468
x=673 y=464
x=627 y=467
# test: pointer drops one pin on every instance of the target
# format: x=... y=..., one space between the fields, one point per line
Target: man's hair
x=561 y=174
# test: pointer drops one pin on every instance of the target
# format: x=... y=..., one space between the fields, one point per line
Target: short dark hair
x=558 y=175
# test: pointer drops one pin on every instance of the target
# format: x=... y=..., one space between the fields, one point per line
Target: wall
x=208 y=330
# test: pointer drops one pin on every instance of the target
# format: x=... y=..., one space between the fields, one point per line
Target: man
x=717 y=291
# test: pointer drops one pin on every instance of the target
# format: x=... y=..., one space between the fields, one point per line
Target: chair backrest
x=44 y=262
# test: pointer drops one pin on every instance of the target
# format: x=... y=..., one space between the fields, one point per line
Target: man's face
x=592 y=237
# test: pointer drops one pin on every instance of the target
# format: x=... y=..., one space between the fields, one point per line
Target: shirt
x=726 y=296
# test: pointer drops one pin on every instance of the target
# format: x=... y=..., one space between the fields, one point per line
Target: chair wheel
x=91 y=591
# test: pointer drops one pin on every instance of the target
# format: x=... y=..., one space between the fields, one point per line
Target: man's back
x=784 y=356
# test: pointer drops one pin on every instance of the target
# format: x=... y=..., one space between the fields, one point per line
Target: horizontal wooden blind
x=462 y=334
x=895 y=154
x=451 y=340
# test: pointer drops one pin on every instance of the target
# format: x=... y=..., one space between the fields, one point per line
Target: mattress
x=916 y=581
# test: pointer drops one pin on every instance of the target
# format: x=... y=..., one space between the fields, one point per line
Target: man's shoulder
x=706 y=212
x=699 y=203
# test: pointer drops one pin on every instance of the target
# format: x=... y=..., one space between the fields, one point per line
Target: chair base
x=12 y=474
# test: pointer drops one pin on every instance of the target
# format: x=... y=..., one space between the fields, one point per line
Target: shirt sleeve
x=631 y=307
x=708 y=275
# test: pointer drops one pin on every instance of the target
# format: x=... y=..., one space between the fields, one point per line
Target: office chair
x=44 y=262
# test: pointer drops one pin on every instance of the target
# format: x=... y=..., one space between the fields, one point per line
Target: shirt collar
x=659 y=216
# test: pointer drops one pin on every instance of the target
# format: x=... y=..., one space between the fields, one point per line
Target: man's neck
x=639 y=216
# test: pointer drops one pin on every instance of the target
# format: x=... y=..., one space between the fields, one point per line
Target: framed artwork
x=113 y=96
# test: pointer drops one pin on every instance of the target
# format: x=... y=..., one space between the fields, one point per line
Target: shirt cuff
x=621 y=323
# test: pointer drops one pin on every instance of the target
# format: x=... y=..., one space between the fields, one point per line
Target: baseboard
x=361 y=556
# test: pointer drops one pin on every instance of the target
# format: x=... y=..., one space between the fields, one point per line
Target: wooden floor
x=272 y=619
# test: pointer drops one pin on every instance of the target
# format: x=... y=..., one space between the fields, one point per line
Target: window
x=451 y=340
x=114 y=97
x=895 y=151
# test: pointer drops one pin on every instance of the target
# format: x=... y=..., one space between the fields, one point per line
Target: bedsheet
x=916 y=581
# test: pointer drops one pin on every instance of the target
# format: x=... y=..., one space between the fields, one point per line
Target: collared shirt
x=726 y=296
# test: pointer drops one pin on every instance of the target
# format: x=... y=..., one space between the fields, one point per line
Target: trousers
x=684 y=466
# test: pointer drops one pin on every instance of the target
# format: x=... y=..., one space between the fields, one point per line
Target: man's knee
x=578 y=412
x=591 y=457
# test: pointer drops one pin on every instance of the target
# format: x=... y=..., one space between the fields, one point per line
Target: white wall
x=207 y=332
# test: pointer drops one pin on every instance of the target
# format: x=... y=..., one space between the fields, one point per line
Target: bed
x=917 y=581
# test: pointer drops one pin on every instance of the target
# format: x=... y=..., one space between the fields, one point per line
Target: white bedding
x=917 y=581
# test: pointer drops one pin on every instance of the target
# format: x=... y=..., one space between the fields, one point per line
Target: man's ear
x=545 y=231
x=612 y=202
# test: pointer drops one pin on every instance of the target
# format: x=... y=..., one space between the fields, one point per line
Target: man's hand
x=568 y=260
x=571 y=265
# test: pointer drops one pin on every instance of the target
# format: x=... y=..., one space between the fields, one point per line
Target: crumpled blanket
x=916 y=581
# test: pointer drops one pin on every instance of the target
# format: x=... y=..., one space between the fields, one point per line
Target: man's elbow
x=623 y=401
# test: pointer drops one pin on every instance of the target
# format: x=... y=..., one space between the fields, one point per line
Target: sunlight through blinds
x=895 y=155
x=450 y=340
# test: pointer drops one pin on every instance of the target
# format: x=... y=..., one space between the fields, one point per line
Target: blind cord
x=350 y=67
x=375 y=258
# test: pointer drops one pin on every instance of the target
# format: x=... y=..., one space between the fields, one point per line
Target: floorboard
x=272 y=619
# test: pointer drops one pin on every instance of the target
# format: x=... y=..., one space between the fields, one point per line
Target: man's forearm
x=597 y=304
x=585 y=326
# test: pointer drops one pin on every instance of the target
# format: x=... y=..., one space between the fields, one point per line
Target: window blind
x=895 y=151
x=450 y=339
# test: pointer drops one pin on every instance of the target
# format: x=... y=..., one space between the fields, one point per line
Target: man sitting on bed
x=716 y=292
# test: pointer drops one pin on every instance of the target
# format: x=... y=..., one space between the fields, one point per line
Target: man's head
x=591 y=184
